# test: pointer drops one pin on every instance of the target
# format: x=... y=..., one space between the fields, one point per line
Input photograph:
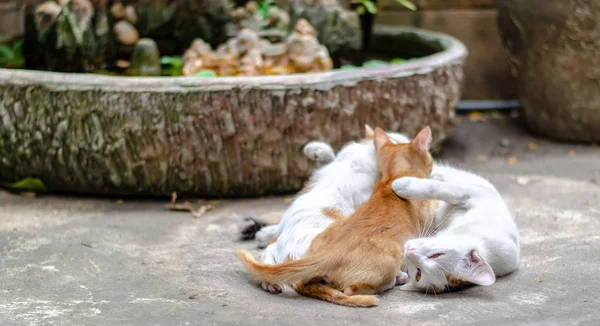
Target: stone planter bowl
x=554 y=51
x=215 y=137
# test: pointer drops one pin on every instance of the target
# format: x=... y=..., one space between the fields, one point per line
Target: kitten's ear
x=410 y=286
x=422 y=141
x=369 y=133
x=381 y=138
x=477 y=270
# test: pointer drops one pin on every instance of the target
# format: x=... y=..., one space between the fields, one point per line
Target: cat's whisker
x=444 y=220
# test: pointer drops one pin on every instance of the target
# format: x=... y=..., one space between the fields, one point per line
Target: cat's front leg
x=426 y=189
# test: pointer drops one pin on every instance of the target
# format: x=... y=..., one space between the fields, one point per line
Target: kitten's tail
x=324 y=292
x=292 y=271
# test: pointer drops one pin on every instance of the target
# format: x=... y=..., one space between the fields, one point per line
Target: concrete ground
x=76 y=261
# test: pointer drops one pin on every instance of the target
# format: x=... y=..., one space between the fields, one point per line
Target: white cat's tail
x=289 y=272
x=319 y=152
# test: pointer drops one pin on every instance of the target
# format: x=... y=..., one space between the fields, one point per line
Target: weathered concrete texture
x=74 y=261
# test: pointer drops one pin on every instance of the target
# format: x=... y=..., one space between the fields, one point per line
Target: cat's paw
x=401 y=278
x=272 y=288
x=402 y=186
x=319 y=152
x=266 y=235
x=248 y=227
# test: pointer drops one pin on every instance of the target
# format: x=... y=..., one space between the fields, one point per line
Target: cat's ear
x=369 y=133
x=422 y=141
x=477 y=270
x=410 y=286
x=381 y=138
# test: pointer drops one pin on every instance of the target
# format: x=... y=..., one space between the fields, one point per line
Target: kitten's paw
x=248 y=227
x=266 y=235
x=402 y=186
x=401 y=278
x=319 y=152
x=272 y=288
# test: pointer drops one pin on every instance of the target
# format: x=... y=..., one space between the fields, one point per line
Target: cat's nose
x=410 y=252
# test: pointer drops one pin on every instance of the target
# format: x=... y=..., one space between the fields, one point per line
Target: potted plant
x=552 y=47
x=367 y=9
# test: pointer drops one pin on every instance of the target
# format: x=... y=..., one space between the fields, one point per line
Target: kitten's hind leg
x=319 y=152
x=268 y=257
x=427 y=189
x=363 y=288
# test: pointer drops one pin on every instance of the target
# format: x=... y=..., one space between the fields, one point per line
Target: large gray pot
x=554 y=51
x=237 y=136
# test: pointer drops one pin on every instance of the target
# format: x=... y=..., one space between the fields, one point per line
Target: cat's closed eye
x=436 y=255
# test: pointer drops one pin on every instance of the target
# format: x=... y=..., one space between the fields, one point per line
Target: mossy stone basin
x=215 y=137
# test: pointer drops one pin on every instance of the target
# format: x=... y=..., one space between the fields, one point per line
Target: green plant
x=171 y=65
x=264 y=7
x=12 y=56
x=206 y=74
x=373 y=64
x=370 y=6
x=27 y=184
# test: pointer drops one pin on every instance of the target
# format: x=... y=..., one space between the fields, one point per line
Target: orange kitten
x=357 y=257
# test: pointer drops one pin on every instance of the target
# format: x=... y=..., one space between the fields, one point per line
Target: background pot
x=553 y=48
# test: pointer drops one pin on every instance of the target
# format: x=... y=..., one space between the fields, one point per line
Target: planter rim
x=454 y=51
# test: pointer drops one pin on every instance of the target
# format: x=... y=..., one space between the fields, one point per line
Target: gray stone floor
x=76 y=261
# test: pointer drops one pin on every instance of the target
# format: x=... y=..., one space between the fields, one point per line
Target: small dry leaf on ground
x=187 y=206
x=496 y=115
x=477 y=117
x=572 y=153
x=512 y=160
x=288 y=200
x=522 y=180
x=532 y=146
x=119 y=201
x=483 y=158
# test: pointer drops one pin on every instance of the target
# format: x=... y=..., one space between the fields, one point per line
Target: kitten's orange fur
x=359 y=256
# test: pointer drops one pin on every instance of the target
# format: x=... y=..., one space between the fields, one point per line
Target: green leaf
x=370 y=6
x=397 y=61
x=171 y=60
x=375 y=63
x=18 y=49
x=31 y=184
x=264 y=7
x=6 y=51
x=407 y=4
x=206 y=74
x=348 y=67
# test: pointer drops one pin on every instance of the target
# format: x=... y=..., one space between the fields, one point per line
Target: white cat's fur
x=475 y=238
x=344 y=184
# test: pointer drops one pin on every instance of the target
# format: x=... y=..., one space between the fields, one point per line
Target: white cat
x=344 y=184
x=474 y=238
